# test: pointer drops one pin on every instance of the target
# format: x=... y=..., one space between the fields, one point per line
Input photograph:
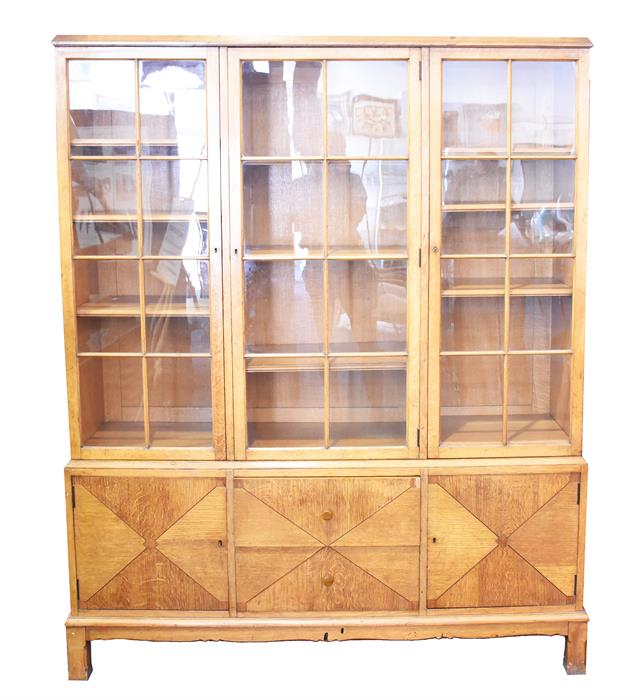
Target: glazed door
x=507 y=142
x=324 y=154
x=139 y=159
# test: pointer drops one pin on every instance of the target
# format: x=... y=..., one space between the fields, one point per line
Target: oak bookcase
x=324 y=319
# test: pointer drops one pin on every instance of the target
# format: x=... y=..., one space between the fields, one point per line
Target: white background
x=33 y=423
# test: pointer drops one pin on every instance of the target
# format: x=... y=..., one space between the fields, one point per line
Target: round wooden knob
x=327 y=579
x=327 y=515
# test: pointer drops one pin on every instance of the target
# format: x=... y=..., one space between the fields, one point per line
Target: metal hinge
x=418 y=435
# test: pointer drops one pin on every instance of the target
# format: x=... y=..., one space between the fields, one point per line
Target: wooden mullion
x=141 y=263
x=509 y=145
x=326 y=303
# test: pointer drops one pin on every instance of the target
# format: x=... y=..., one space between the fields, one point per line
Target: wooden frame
x=411 y=449
x=432 y=173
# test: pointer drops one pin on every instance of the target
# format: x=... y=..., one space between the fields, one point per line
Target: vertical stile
x=582 y=87
x=433 y=99
x=231 y=542
x=212 y=109
x=509 y=165
x=326 y=320
x=141 y=252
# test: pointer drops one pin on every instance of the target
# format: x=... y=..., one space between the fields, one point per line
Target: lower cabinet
x=502 y=540
x=325 y=545
x=150 y=543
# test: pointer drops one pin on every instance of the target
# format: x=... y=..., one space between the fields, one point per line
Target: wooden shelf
x=471 y=430
x=535 y=429
x=310 y=435
x=284 y=435
x=183 y=434
x=133 y=216
x=117 y=434
x=187 y=308
x=363 y=434
x=113 y=306
x=497 y=290
x=333 y=254
x=501 y=206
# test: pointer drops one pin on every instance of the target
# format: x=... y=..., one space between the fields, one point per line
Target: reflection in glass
x=282 y=108
x=284 y=306
x=111 y=401
x=471 y=399
x=283 y=207
x=367 y=305
x=367 y=108
x=550 y=273
x=462 y=274
x=473 y=232
x=171 y=238
x=367 y=206
x=95 y=237
x=102 y=105
x=109 y=286
x=474 y=106
x=180 y=401
x=285 y=403
x=543 y=113
x=105 y=334
x=103 y=187
x=367 y=403
x=540 y=323
x=172 y=108
x=543 y=181
x=174 y=187
x=539 y=398
x=177 y=287
x=473 y=181
x=178 y=334
x=472 y=323
x=542 y=231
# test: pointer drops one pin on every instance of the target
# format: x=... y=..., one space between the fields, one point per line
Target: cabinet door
x=150 y=543
x=327 y=545
x=141 y=245
x=502 y=540
x=324 y=179
x=507 y=175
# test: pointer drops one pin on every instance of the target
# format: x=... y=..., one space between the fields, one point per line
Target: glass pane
x=178 y=334
x=102 y=98
x=471 y=399
x=172 y=108
x=542 y=231
x=284 y=306
x=540 y=323
x=472 y=323
x=175 y=238
x=367 y=305
x=474 y=182
x=111 y=401
x=174 y=187
x=547 y=181
x=105 y=238
x=101 y=334
x=103 y=187
x=473 y=232
x=467 y=275
x=106 y=287
x=367 y=206
x=543 y=113
x=282 y=108
x=285 y=402
x=283 y=208
x=549 y=273
x=367 y=402
x=367 y=108
x=539 y=398
x=180 y=401
x=177 y=287
x=474 y=106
